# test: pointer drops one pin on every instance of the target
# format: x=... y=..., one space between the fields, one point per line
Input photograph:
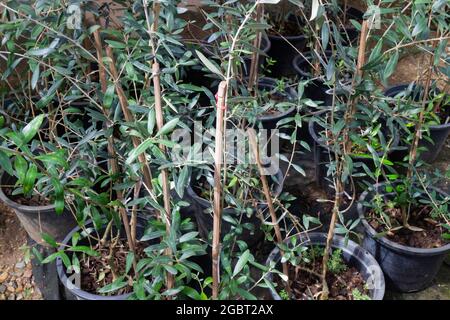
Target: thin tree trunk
x=218 y=159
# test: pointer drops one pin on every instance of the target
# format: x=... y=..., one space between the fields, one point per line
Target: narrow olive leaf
x=151 y=120
x=21 y=167
x=129 y=262
x=168 y=127
x=35 y=77
x=30 y=130
x=40 y=52
x=137 y=151
x=5 y=163
x=116 y=285
x=84 y=249
x=208 y=64
x=243 y=259
x=59 y=196
x=182 y=181
x=109 y=96
x=325 y=36
x=391 y=65
x=188 y=236
x=314 y=9
x=49 y=239
x=30 y=178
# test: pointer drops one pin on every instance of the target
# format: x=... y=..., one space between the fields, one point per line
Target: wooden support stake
x=218 y=160
x=128 y=117
x=253 y=77
x=267 y=195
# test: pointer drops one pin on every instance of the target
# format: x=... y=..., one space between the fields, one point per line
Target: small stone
x=2 y=288
x=11 y=289
x=12 y=297
x=28 y=273
x=3 y=276
x=20 y=265
x=19 y=289
x=2 y=297
x=19 y=297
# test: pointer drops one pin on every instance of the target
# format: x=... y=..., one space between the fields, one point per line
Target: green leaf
x=35 y=77
x=208 y=64
x=168 y=127
x=84 y=249
x=21 y=167
x=40 y=52
x=182 y=181
x=129 y=262
x=137 y=151
x=188 y=236
x=109 y=96
x=5 y=163
x=30 y=130
x=243 y=259
x=30 y=178
x=116 y=285
x=49 y=239
x=390 y=66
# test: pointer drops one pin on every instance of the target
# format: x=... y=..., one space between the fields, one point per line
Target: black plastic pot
x=213 y=52
x=71 y=291
x=353 y=254
x=283 y=51
x=202 y=210
x=322 y=157
x=37 y=219
x=270 y=121
x=438 y=133
x=407 y=269
x=316 y=89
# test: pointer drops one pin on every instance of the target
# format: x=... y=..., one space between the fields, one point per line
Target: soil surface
x=103 y=270
x=16 y=275
x=430 y=237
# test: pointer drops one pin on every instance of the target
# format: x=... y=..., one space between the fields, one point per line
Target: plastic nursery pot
x=438 y=133
x=202 y=210
x=284 y=49
x=212 y=51
x=71 y=291
x=322 y=156
x=269 y=121
x=316 y=89
x=407 y=269
x=353 y=254
x=37 y=219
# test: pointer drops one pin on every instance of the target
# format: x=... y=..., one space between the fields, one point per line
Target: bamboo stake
x=128 y=117
x=340 y=163
x=113 y=164
x=253 y=77
x=218 y=159
x=267 y=195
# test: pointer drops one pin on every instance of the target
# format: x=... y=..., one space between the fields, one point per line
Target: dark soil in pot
x=92 y=268
x=202 y=208
x=438 y=133
x=35 y=215
x=409 y=261
x=357 y=270
x=214 y=51
x=322 y=157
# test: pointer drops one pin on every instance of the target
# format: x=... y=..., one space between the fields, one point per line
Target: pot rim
x=307 y=56
x=403 y=86
x=389 y=243
x=338 y=242
x=271 y=82
x=312 y=132
x=61 y=270
x=17 y=206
